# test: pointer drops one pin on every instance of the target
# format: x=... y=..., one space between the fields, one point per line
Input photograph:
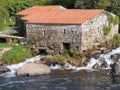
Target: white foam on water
x=90 y=64
x=92 y=61
x=13 y=68
x=55 y=67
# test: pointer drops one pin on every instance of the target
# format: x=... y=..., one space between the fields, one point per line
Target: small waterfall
x=15 y=67
x=92 y=61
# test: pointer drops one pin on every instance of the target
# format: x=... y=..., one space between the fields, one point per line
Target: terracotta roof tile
x=54 y=15
x=68 y=16
x=36 y=9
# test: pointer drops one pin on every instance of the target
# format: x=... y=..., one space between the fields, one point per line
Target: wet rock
x=32 y=69
x=37 y=62
x=96 y=66
x=103 y=49
x=74 y=62
x=52 y=62
x=117 y=68
x=104 y=64
x=4 y=69
x=96 y=52
x=84 y=61
x=115 y=56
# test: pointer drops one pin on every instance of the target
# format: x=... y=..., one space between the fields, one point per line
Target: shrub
x=115 y=20
x=60 y=58
x=16 y=54
x=116 y=39
x=106 y=29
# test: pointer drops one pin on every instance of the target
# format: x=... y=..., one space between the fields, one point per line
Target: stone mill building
x=53 y=28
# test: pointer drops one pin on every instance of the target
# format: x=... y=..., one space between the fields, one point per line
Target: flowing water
x=73 y=78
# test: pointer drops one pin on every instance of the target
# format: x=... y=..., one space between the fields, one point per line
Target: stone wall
x=92 y=31
x=52 y=37
x=80 y=37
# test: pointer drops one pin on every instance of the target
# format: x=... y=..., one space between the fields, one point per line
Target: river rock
x=96 y=66
x=104 y=64
x=37 y=61
x=4 y=69
x=115 y=56
x=117 y=68
x=32 y=69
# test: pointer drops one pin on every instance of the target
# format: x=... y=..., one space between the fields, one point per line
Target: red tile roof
x=62 y=16
x=36 y=9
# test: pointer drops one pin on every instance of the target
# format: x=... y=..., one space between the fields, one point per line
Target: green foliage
x=4 y=45
x=109 y=5
x=116 y=39
x=107 y=29
x=16 y=54
x=31 y=41
x=74 y=53
x=60 y=58
x=104 y=4
x=65 y=3
x=115 y=20
x=112 y=18
x=8 y=8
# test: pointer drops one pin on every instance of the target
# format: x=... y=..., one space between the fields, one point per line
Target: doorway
x=42 y=52
x=66 y=46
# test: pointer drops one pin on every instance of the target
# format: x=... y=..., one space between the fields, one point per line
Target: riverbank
x=13 y=53
x=19 y=52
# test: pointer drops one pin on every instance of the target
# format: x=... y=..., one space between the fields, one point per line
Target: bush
x=16 y=54
x=116 y=39
x=115 y=20
x=60 y=58
x=106 y=29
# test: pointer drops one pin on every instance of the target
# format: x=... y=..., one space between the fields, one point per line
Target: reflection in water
x=63 y=80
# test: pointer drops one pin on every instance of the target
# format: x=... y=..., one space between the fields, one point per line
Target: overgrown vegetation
x=116 y=39
x=113 y=19
x=72 y=56
x=17 y=54
x=112 y=43
x=107 y=29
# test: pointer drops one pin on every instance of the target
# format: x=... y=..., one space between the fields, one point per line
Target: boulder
x=117 y=68
x=115 y=56
x=32 y=69
x=3 y=69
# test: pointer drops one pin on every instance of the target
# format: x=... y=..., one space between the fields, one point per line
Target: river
x=63 y=80
x=73 y=78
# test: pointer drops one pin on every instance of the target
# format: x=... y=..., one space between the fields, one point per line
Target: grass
x=4 y=45
x=17 y=54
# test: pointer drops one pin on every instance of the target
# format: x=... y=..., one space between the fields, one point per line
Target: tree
x=65 y=3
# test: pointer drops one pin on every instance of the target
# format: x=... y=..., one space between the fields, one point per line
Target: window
x=64 y=31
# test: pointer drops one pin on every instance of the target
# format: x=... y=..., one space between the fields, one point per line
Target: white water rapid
x=15 y=67
x=92 y=61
